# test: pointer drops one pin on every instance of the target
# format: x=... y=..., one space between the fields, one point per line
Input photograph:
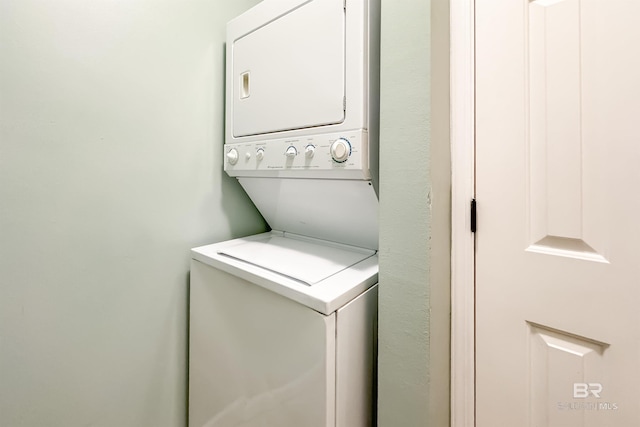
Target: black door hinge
x=474 y=215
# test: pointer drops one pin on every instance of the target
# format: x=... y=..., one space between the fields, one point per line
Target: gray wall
x=111 y=125
x=414 y=215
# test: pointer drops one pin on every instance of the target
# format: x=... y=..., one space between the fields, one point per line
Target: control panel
x=339 y=155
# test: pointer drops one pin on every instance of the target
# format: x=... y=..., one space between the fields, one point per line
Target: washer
x=281 y=343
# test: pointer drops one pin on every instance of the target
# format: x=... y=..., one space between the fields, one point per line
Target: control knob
x=309 y=151
x=340 y=150
x=291 y=152
x=232 y=156
x=260 y=153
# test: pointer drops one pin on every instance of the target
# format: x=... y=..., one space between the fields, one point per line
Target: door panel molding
x=565 y=208
x=560 y=360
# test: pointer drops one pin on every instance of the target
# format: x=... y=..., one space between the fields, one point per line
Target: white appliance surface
x=301 y=115
x=302 y=75
x=297 y=258
x=358 y=271
x=258 y=359
x=344 y=211
x=289 y=71
x=310 y=157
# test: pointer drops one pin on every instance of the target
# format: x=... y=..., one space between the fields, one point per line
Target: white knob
x=232 y=156
x=247 y=155
x=340 y=150
x=291 y=152
x=260 y=153
x=309 y=151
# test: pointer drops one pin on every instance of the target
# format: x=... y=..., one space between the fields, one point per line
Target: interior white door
x=557 y=175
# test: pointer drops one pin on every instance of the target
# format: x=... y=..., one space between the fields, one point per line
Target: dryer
x=302 y=115
x=283 y=324
x=302 y=90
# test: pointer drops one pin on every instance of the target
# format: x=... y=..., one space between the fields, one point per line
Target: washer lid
x=297 y=257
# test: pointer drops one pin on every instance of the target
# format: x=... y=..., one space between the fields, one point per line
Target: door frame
x=462 y=89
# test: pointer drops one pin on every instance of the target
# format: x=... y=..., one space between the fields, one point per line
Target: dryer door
x=288 y=72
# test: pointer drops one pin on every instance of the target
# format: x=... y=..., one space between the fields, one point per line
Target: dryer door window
x=290 y=72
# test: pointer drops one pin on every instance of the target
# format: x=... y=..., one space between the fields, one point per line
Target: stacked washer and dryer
x=283 y=324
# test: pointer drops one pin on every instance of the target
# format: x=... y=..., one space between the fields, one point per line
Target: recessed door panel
x=565 y=155
x=290 y=73
x=565 y=377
